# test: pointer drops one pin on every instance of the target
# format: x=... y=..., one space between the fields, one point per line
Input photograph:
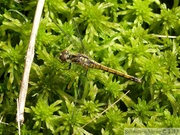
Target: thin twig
x=96 y=117
x=17 y=118
x=3 y=122
x=28 y=61
x=163 y=36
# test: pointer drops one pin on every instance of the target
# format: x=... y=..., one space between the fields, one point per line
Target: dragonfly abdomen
x=113 y=71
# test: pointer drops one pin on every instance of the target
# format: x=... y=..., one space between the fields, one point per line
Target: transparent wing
x=69 y=30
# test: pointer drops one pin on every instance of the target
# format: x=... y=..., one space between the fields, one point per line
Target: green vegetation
x=126 y=36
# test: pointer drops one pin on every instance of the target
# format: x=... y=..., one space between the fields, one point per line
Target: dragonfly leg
x=69 y=66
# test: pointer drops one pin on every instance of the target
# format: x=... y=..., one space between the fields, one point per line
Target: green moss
x=63 y=99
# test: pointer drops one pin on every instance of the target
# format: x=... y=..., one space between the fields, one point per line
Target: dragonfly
x=86 y=62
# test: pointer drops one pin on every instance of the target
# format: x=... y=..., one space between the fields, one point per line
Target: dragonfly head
x=64 y=56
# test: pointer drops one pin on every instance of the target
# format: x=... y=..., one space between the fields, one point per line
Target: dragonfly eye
x=64 y=56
